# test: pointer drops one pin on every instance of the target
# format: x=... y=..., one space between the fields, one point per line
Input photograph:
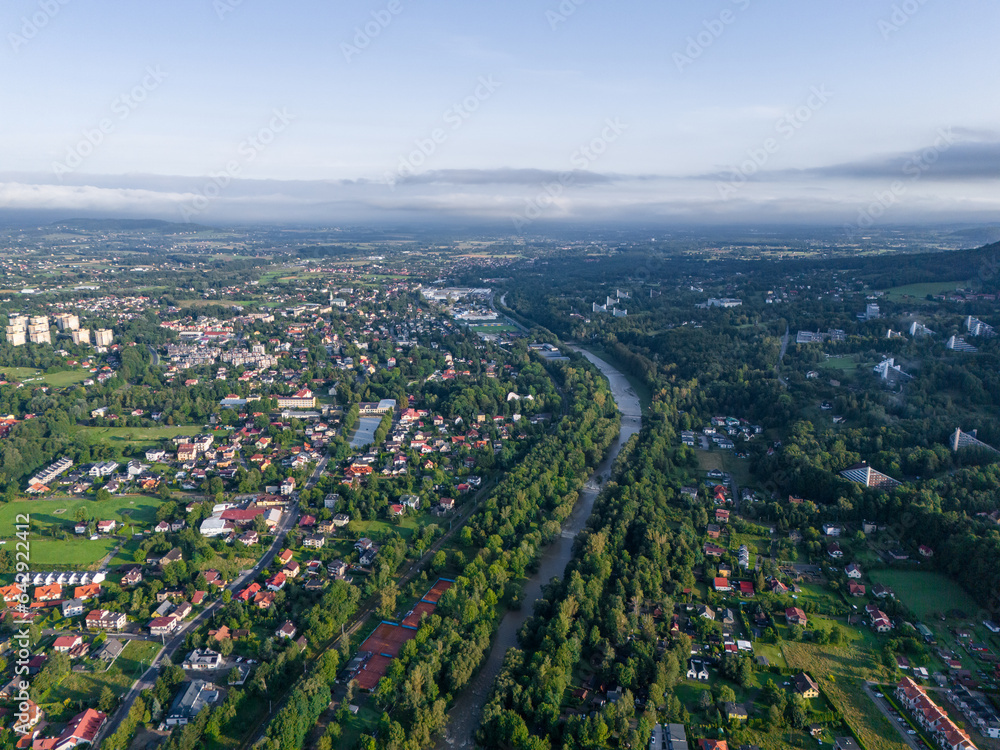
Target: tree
x=234 y=676
x=107 y=700
x=226 y=647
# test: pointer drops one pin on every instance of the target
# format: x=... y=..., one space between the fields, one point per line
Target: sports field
x=925 y=591
x=387 y=639
x=412 y=620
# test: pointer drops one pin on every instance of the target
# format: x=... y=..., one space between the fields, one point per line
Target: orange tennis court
x=387 y=639
x=437 y=590
x=412 y=620
x=374 y=670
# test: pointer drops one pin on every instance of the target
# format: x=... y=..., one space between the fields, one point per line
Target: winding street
x=171 y=647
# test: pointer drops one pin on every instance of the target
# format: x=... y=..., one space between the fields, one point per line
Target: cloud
x=951 y=189
x=945 y=159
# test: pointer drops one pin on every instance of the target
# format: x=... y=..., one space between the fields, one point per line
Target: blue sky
x=727 y=110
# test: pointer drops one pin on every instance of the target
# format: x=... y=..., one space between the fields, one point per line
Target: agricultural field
x=926 y=591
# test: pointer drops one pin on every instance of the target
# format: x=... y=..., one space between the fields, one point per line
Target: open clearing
x=136 y=509
x=925 y=591
x=55 y=379
x=841 y=672
x=920 y=291
x=147 y=436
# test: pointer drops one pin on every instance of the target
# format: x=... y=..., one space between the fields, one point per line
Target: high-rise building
x=38 y=330
x=17 y=330
x=103 y=337
x=80 y=336
x=67 y=321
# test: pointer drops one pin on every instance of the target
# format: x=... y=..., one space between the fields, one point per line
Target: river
x=467 y=711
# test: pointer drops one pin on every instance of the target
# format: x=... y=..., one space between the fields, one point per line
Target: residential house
x=203 y=660
x=795 y=616
x=805 y=685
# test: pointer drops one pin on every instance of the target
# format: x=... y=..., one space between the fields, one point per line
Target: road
x=784 y=347
x=503 y=303
x=148 y=678
x=883 y=706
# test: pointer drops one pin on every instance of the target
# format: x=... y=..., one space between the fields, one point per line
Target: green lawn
x=56 y=379
x=84 y=688
x=72 y=553
x=926 y=591
x=141 y=436
x=920 y=291
x=60 y=511
x=499 y=328
x=843 y=364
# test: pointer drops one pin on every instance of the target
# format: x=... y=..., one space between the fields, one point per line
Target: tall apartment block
x=80 y=336
x=67 y=321
x=38 y=330
x=17 y=330
x=103 y=337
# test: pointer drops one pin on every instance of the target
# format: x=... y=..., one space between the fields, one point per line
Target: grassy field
x=56 y=379
x=73 y=553
x=925 y=591
x=724 y=460
x=499 y=328
x=920 y=291
x=141 y=436
x=61 y=511
x=84 y=688
x=842 y=364
x=841 y=672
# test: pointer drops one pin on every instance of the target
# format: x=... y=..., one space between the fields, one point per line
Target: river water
x=467 y=711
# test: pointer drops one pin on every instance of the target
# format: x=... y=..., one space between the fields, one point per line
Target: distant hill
x=979 y=235
x=128 y=225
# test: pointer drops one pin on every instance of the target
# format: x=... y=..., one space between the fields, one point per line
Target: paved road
x=883 y=706
x=784 y=347
x=148 y=679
